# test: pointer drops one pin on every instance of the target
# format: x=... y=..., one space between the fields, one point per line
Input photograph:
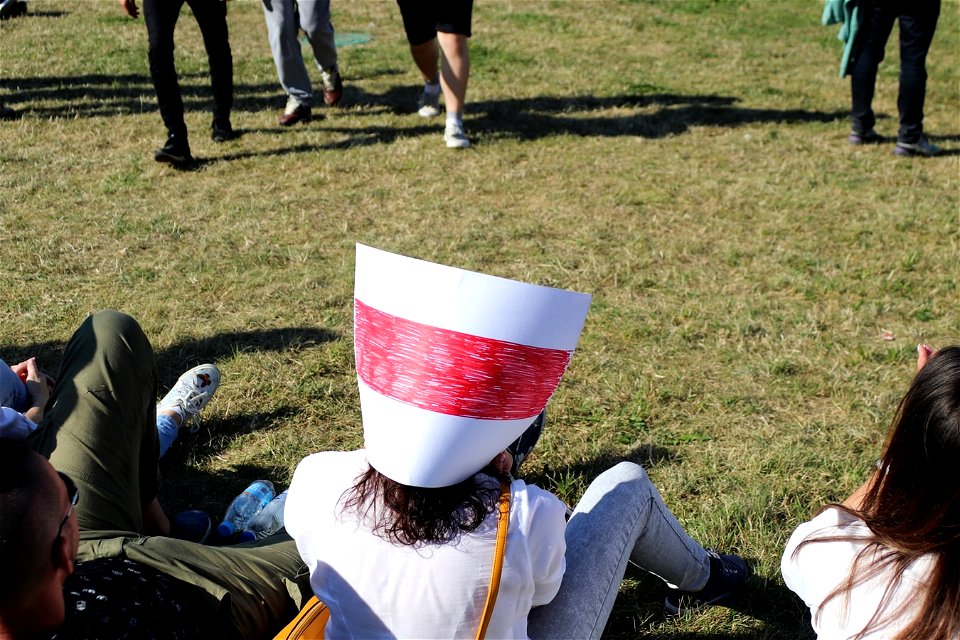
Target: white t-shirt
x=821 y=566
x=378 y=589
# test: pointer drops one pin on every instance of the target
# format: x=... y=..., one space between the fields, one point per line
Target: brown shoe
x=294 y=113
x=331 y=97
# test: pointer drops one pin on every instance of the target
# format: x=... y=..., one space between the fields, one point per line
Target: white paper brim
x=421 y=448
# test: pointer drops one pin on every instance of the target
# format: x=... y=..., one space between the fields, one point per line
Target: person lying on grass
x=885 y=563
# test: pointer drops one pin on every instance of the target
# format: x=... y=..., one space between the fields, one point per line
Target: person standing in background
x=918 y=22
x=284 y=20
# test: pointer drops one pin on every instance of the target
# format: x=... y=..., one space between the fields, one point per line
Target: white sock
x=432 y=88
x=455 y=118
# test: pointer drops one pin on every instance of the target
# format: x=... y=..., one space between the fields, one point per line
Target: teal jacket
x=849 y=14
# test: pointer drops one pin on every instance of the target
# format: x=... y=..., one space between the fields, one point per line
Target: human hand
x=38 y=383
x=924 y=353
x=130 y=7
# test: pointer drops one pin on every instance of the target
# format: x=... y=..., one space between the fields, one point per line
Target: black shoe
x=12 y=9
x=193 y=525
x=176 y=151
x=727 y=574
x=222 y=132
x=522 y=446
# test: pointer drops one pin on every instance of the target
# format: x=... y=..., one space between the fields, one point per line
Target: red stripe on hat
x=453 y=373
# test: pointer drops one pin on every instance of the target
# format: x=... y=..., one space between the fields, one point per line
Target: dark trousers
x=161 y=18
x=918 y=21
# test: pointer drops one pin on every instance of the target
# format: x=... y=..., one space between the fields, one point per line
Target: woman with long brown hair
x=886 y=562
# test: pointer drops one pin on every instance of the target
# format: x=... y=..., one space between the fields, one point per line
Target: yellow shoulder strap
x=503 y=521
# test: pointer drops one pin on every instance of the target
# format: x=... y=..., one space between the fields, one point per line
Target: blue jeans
x=918 y=21
x=620 y=517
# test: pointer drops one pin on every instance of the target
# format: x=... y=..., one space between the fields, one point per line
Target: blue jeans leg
x=917 y=27
x=620 y=517
x=874 y=32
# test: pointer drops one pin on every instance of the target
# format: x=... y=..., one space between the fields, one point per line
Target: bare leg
x=425 y=57
x=454 y=70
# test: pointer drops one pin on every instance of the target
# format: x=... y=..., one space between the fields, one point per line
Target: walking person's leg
x=454 y=25
x=620 y=517
x=315 y=22
x=160 y=17
x=419 y=25
x=211 y=16
x=874 y=32
x=282 y=31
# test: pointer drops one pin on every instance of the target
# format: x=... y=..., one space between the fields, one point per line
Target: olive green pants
x=100 y=429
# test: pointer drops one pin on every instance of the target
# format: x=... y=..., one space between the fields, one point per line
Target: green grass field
x=759 y=285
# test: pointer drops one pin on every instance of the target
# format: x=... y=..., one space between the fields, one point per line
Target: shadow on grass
x=647 y=455
x=95 y=95
x=639 y=613
x=186 y=487
x=650 y=115
x=662 y=114
x=654 y=116
x=178 y=357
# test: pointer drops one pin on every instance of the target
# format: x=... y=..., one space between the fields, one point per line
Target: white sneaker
x=454 y=136
x=429 y=104
x=191 y=393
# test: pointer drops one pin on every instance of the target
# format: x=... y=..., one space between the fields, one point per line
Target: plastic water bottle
x=267 y=522
x=245 y=506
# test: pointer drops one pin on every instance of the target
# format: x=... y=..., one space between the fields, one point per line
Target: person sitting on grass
x=885 y=563
x=83 y=546
x=400 y=536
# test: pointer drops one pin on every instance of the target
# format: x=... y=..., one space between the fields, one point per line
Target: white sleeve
x=14 y=424
x=297 y=510
x=816 y=569
x=546 y=543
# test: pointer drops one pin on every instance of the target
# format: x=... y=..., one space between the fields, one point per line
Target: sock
x=432 y=88
x=329 y=76
x=167 y=431
x=455 y=118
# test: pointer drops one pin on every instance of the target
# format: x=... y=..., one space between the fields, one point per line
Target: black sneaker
x=12 y=9
x=193 y=526
x=221 y=132
x=727 y=574
x=176 y=151
x=522 y=446
x=870 y=137
x=921 y=147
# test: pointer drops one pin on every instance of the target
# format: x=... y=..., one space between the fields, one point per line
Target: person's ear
x=64 y=556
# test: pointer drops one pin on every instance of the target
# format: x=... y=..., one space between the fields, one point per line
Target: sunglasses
x=73 y=493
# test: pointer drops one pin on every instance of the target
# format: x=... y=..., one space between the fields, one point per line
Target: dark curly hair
x=414 y=516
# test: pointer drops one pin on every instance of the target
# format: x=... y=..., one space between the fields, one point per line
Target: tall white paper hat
x=453 y=365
